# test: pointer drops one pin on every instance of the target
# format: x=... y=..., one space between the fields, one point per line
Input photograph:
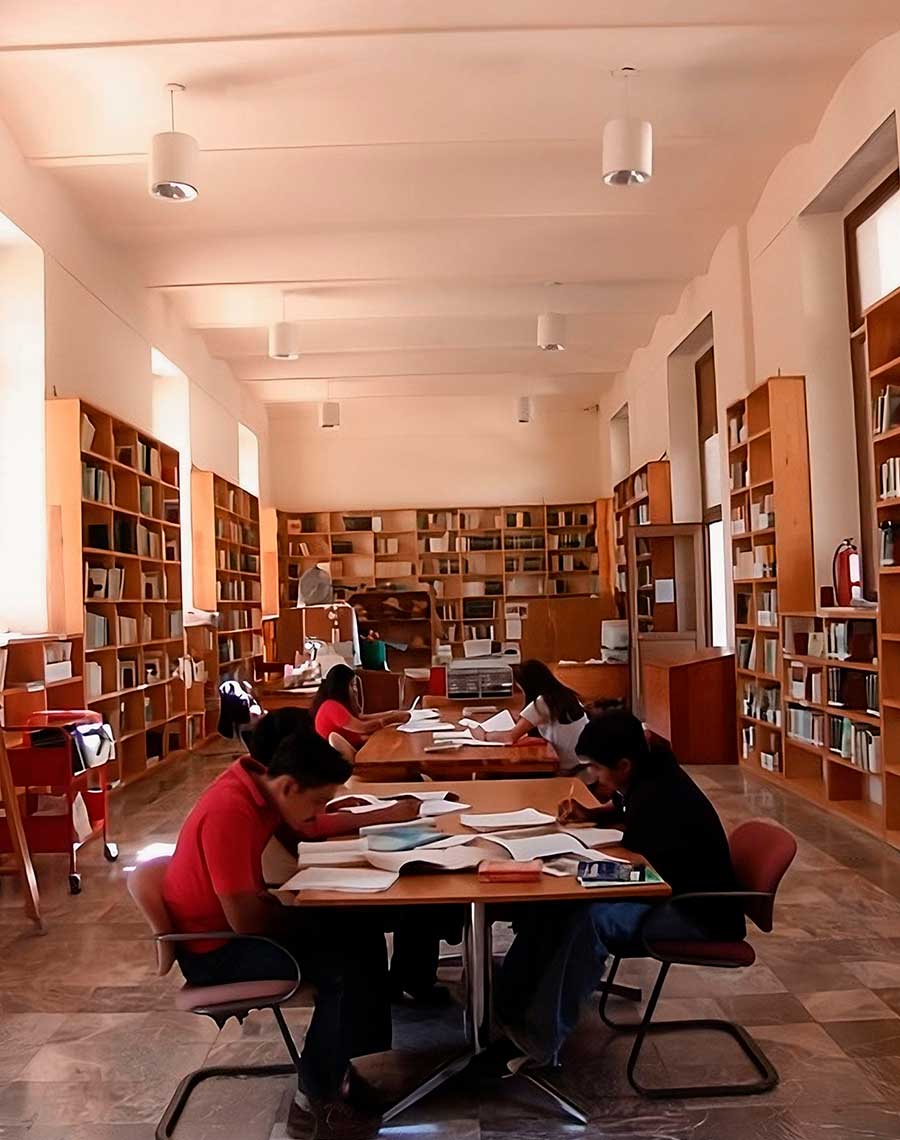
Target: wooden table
x=393 y=755
x=464 y=888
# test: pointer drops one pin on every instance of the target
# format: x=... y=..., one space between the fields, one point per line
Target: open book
x=353 y=879
x=498 y=821
x=523 y=850
x=456 y=858
x=333 y=852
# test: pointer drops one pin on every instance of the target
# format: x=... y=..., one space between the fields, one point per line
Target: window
x=711 y=494
x=248 y=460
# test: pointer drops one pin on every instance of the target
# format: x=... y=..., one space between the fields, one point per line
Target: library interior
x=450 y=623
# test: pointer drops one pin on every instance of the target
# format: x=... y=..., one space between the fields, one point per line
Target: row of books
x=769 y=758
x=739 y=474
x=238 y=561
x=758 y=653
x=103 y=582
x=238 y=590
x=570 y=518
x=238 y=502
x=888 y=543
x=805 y=724
x=569 y=562
x=758 y=562
x=885 y=409
x=853 y=689
x=767 y=609
x=97 y=484
x=858 y=743
x=230 y=530
x=128 y=627
x=737 y=430
x=642 y=517
x=306 y=524
x=387 y=546
x=241 y=619
x=230 y=648
x=805 y=683
x=762 y=702
x=305 y=550
x=889 y=478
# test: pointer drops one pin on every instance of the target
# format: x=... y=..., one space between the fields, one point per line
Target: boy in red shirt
x=215 y=882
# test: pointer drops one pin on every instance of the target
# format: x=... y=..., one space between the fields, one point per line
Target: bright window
x=715 y=547
x=248 y=460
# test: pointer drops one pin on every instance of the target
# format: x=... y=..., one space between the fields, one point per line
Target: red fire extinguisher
x=846 y=571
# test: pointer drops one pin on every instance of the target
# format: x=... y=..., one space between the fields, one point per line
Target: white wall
x=439 y=451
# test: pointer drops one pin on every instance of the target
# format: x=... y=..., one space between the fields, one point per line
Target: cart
x=47 y=764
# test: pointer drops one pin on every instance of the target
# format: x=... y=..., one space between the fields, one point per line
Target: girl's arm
x=509 y=736
x=382 y=720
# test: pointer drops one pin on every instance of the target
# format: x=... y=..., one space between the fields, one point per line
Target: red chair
x=216 y=1002
x=761 y=853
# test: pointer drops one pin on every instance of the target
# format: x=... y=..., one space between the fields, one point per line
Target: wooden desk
x=607 y=681
x=274 y=695
x=393 y=755
x=689 y=700
x=464 y=888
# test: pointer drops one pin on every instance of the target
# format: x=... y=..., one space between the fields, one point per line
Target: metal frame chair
x=761 y=853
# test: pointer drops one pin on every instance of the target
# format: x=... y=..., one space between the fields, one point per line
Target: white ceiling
x=412 y=174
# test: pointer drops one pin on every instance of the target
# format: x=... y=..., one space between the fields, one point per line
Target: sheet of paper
x=333 y=852
x=452 y=841
x=364 y=809
x=353 y=879
x=467 y=739
x=514 y=629
x=429 y=724
x=497 y=821
x=665 y=589
x=500 y=722
x=424 y=797
x=336 y=803
x=445 y=859
x=424 y=714
x=537 y=846
x=594 y=836
x=442 y=807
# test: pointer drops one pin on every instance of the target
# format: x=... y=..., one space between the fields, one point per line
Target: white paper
x=81 y=821
x=364 y=809
x=428 y=725
x=497 y=821
x=333 y=852
x=467 y=739
x=452 y=841
x=442 y=807
x=514 y=629
x=354 y=879
x=456 y=858
x=595 y=836
x=338 y=800
x=665 y=589
x=501 y=722
x=424 y=714
x=537 y=846
x=424 y=797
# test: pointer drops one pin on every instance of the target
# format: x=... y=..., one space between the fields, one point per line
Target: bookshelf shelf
x=113 y=490
x=643 y=498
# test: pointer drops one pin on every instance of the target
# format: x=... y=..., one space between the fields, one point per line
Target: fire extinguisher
x=846 y=572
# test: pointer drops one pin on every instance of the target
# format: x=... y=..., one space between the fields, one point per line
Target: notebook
x=333 y=852
x=363 y=880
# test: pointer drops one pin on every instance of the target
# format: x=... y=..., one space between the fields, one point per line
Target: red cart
x=47 y=764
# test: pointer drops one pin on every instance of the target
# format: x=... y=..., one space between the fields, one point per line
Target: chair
x=761 y=853
x=342 y=745
x=216 y=1002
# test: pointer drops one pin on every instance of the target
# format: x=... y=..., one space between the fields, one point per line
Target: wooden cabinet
x=689 y=700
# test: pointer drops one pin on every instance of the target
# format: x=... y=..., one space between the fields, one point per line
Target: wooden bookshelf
x=399 y=618
x=115 y=576
x=474 y=559
x=203 y=695
x=227 y=570
x=772 y=564
x=641 y=499
x=28 y=686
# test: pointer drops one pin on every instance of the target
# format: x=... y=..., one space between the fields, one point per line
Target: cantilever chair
x=216 y=1002
x=343 y=746
x=761 y=853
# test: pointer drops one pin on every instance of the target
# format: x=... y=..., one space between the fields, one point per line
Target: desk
x=609 y=681
x=275 y=695
x=465 y=889
x=393 y=755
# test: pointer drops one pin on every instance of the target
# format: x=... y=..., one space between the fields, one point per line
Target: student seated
x=215 y=883
x=418 y=931
x=338 y=708
x=551 y=707
x=554 y=965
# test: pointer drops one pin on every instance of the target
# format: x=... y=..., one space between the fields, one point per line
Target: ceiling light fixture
x=627 y=143
x=523 y=409
x=551 y=332
x=284 y=338
x=173 y=160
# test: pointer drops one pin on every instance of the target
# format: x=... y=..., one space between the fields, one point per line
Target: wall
x=775 y=289
x=436 y=451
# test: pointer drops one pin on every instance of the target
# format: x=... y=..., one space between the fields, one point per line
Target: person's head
x=536 y=680
x=301 y=777
x=615 y=746
x=339 y=684
x=270 y=730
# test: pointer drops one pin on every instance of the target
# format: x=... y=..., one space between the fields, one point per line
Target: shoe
x=529 y=1049
x=364 y=1095
x=338 y=1120
x=435 y=996
x=301 y=1121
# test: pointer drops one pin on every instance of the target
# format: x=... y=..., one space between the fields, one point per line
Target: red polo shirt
x=219 y=852
x=331 y=717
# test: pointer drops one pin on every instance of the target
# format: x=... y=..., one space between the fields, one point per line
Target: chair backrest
x=761 y=852
x=341 y=744
x=145 y=885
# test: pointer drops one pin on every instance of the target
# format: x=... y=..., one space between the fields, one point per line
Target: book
x=336 y=853
x=352 y=879
x=498 y=821
x=457 y=858
x=88 y=431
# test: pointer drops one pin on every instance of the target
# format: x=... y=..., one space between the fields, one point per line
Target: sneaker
x=338 y=1120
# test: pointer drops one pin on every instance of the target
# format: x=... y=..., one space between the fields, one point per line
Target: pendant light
x=627 y=144
x=173 y=160
x=284 y=338
x=551 y=332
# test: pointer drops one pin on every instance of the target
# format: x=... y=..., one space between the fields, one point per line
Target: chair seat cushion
x=234 y=994
x=720 y=953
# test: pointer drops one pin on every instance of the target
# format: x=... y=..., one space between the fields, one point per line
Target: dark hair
x=335 y=686
x=536 y=680
x=309 y=760
x=618 y=735
x=270 y=730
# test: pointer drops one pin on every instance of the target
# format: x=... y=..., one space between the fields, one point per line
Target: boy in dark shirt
x=553 y=967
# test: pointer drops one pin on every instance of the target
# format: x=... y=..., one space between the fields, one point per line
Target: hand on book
x=570 y=811
x=478 y=733
x=400 y=812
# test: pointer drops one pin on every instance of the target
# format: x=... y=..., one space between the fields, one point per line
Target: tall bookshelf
x=883 y=349
x=772 y=561
x=645 y=497
x=475 y=559
x=202 y=696
x=227 y=570
x=115 y=575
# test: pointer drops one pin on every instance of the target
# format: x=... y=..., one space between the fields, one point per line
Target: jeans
x=557 y=960
x=344 y=957
x=418 y=931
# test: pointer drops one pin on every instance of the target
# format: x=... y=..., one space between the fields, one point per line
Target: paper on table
x=424 y=714
x=362 y=809
x=335 y=804
x=502 y=722
x=355 y=879
x=335 y=853
x=442 y=807
x=452 y=841
x=457 y=858
x=466 y=738
x=427 y=725
x=594 y=836
x=537 y=846
x=424 y=796
x=497 y=821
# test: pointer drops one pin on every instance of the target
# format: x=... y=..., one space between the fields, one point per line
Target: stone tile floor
x=90 y=1048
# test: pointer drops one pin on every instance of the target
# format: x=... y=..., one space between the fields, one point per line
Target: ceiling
x=409 y=177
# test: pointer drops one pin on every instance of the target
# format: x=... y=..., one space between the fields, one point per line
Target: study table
x=390 y=754
x=464 y=888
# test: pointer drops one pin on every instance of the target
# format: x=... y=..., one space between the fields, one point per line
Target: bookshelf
x=772 y=564
x=40 y=673
x=115 y=576
x=641 y=499
x=399 y=618
x=476 y=560
x=202 y=696
x=227 y=571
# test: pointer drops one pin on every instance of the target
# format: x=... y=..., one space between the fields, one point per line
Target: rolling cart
x=47 y=763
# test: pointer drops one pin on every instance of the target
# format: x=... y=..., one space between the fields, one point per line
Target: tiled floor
x=90 y=1048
